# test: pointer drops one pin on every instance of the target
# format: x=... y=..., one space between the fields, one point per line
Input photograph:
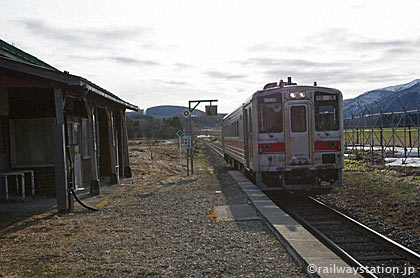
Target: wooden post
x=94 y=181
x=114 y=178
x=127 y=168
x=64 y=201
x=121 y=143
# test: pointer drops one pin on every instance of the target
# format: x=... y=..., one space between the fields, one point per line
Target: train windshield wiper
x=326 y=133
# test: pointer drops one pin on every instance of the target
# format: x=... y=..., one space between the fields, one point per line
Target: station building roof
x=12 y=58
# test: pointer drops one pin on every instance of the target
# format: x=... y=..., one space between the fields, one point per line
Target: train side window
x=298 y=118
x=237 y=129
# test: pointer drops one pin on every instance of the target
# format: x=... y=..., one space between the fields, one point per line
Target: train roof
x=279 y=89
x=288 y=88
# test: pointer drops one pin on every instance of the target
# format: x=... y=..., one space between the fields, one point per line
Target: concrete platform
x=304 y=248
x=242 y=212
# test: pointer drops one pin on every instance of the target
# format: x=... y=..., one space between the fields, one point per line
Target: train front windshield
x=270 y=114
x=326 y=112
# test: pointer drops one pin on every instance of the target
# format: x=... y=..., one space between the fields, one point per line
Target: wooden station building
x=66 y=129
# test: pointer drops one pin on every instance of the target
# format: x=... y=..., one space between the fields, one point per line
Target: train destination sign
x=326 y=97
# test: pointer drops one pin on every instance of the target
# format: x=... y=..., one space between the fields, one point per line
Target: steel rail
x=332 y=245
x=216 y=148
x=410 y=255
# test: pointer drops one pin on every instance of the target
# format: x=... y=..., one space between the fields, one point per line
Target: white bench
x=17 y=174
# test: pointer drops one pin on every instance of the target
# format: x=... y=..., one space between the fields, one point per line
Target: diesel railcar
x=288 y=137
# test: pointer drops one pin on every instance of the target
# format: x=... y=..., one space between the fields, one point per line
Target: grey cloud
x=176 y=83
x=117 y=59
x=118 y=34
x=399 y=51
x=344 y=38
x=223 y=75
x=286 y=62
x=262 y=47
x=132 y=61
x=85 y=58
x=273 y=47
x=182 y=65
x=378 y=44
x=325 y=77
x=40 y=28
x=371 y=60
x=81 y=37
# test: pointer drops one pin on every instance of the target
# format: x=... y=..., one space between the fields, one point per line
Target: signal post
x=211 y=110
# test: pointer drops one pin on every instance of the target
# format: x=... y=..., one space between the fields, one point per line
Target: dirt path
x=153 y=225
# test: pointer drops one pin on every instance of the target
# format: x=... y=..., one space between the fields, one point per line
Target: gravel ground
x=155 y=226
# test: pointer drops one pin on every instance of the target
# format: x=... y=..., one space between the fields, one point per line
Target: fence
x=387 y=132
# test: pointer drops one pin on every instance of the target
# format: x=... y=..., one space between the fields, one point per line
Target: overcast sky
x=168 y=52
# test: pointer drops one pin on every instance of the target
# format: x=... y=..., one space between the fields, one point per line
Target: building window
x=85 y=139
x=32 y=142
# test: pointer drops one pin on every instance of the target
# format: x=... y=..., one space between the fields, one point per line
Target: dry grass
x=393 y=194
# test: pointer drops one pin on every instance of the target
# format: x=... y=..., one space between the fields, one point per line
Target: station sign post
x=180 y=133
x=210 y=110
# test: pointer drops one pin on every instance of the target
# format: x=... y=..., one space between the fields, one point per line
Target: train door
x=298 y=133
x=249 y=154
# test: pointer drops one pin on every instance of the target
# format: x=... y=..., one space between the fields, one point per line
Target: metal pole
x=187 y=150
x=192 y=141
x=405 y=137
x=188 y=166
x=418 y=132
x=409 y=136
x=393 y=133
x=180 y=152
x=372 y=136
x=382 y=136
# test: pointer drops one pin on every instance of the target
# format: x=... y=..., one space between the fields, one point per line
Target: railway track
x=355 y=243
x=215 y=148
x=358 y=245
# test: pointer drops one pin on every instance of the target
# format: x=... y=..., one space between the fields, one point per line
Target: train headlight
x=302 y=95
x=292 y=95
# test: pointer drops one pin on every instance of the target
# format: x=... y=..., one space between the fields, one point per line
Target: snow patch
x=401 y=87
x=410 y=161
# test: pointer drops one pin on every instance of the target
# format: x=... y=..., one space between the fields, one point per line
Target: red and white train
x=288 y=137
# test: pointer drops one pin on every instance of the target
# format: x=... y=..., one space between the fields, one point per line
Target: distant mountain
x=168 y=111
x=385 y=100
x=138 y=114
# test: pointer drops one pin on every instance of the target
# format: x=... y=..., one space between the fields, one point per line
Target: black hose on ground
x=70 y=162
x=80 y=202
